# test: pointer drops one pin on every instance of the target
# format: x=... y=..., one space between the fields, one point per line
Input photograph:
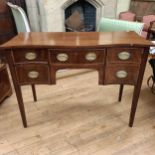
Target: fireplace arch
x=51 y=16
x=97 y=4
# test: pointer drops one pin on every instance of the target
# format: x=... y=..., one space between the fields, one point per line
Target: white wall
x=122 y=5
x=33 y=14
x=38 y=17
x=54 y=12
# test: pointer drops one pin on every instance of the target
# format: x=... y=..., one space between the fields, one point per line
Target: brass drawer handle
x=30 y=56
x=91 y=56
x=33 y=74
x=121 y=74
x=124 y=55
x=62 y=57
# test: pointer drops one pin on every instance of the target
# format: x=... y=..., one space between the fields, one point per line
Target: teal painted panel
x=19 y=21
x=107 y=24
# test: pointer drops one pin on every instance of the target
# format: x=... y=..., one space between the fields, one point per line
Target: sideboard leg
x=120 y=92
x=34 y=92
x=134 y=105
x=17 y=89
x=137 y=87
x=20 y=104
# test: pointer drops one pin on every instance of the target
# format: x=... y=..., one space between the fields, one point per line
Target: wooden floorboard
x=78 y=117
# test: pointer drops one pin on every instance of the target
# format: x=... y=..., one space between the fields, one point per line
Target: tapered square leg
x=120 y=92
x=34 y=92
x=17 y=90
x=137 y=87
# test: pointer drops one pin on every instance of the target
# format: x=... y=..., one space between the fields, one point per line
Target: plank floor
x=78 y=117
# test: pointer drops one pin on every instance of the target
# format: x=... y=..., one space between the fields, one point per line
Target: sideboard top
x=75 y=39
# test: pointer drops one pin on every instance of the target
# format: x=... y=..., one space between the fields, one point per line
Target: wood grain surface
x=73 y=39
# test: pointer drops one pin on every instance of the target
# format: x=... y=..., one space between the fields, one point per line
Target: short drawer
x=121 y=74
x=29 y=55
x=124 y=55
x=33 y=73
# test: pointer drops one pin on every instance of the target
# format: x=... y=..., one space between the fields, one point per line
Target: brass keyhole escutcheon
x=62 y=57
x=33 y=74
x=30 y=56
x=91 y=56
x=124 y=55
x=121 y=74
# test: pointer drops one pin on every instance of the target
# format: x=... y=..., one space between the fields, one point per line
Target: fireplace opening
x=80 y=16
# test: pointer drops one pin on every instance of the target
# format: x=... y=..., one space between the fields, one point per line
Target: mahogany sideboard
x=119 y=57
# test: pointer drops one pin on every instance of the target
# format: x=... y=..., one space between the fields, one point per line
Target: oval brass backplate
x=121 y=74
x=91 y=56
x=33 y=74
x=30 y=56
x=62 y=57
x=124 y=55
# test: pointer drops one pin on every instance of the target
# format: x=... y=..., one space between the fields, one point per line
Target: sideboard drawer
x=29 y=55
x=33 y=73
x=124 y=55
x=121 y=74
x=77 y=56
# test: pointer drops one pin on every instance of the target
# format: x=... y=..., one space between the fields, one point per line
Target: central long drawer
x=75 y=56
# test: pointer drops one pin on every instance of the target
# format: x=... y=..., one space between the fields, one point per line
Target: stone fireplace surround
x=49 y=16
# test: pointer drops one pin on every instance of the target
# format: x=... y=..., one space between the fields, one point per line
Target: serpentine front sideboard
x=119 y=57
